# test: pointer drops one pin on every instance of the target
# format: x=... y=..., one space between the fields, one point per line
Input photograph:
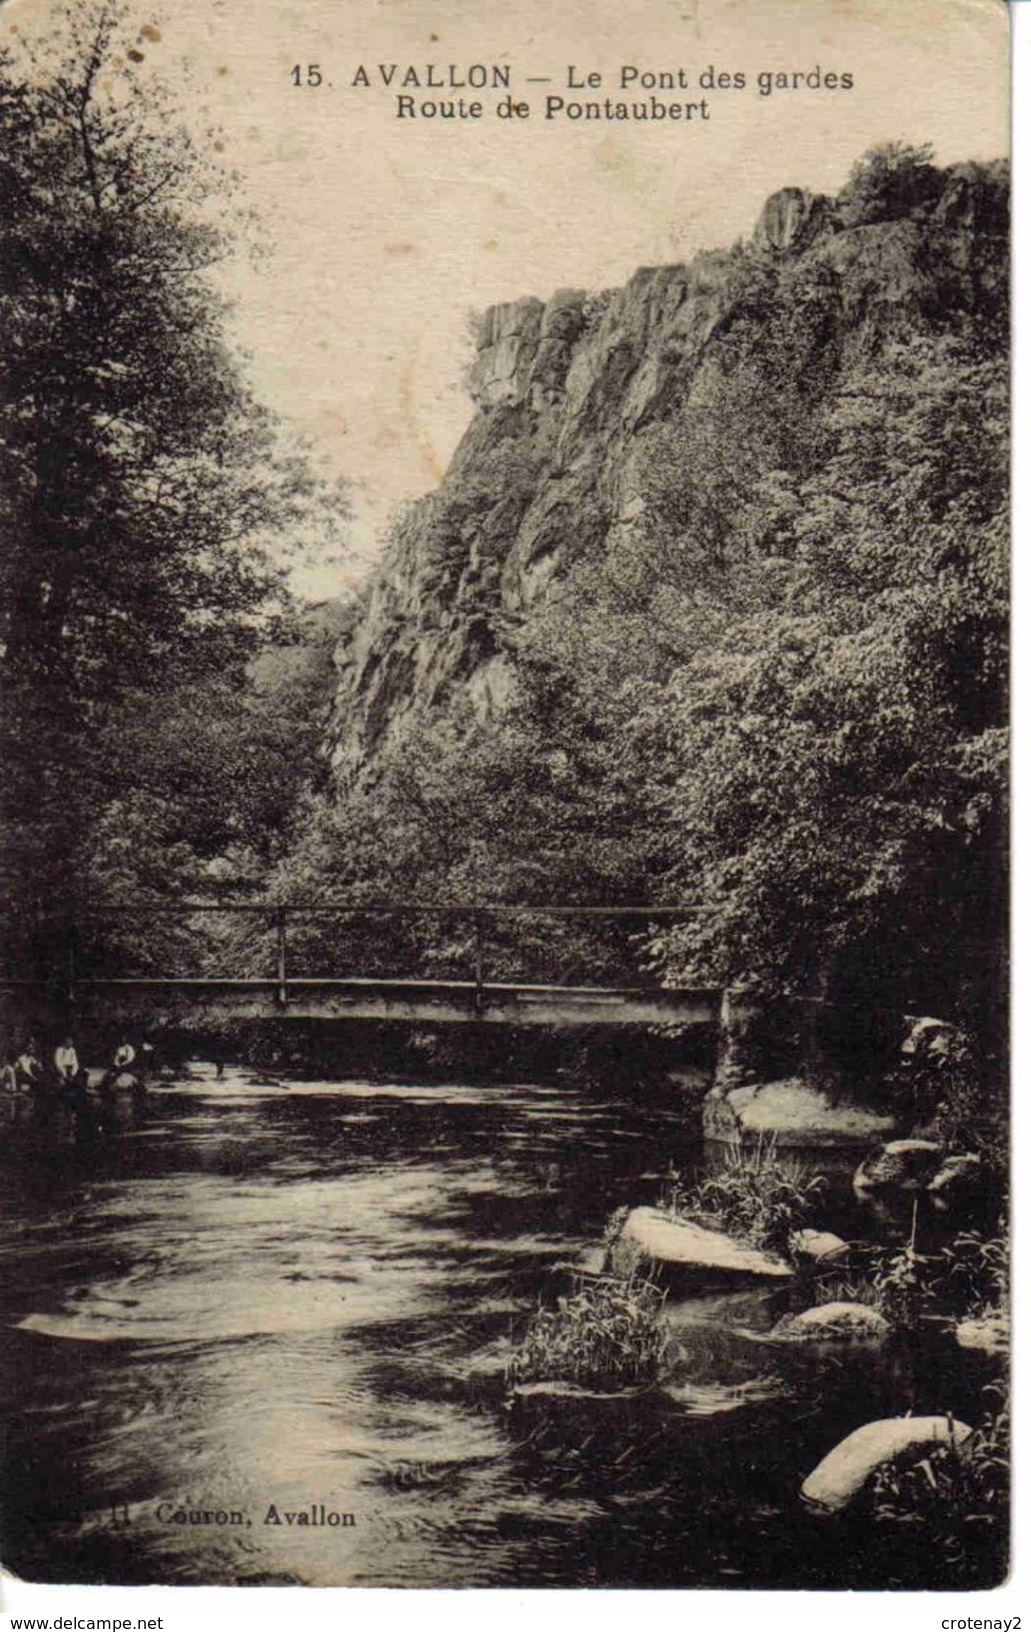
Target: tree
x=143 y=481
x=844 y=811
x=888 y=182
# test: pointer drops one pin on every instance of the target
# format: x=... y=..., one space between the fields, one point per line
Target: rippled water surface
x=301 y=1296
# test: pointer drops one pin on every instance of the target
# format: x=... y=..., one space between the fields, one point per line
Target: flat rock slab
x=829 y=1321
x=667 y=1240
x=796 y=1112
x=836 y=1481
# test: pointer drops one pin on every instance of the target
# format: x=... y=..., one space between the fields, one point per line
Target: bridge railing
x=477 y=943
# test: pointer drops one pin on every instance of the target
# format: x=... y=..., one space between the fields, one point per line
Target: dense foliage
x=143 y=488
x=955 y=1502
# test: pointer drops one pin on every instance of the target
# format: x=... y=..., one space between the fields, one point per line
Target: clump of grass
x=756 y=1195
x=902 y=1287
x=608 y=1333
x=848 y=1289
x=899 y=1282
x=958 y=1497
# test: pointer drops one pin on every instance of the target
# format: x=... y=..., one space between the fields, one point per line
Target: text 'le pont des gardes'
x=632 y=92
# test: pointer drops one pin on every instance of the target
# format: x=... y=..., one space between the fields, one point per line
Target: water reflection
x=301 y=1297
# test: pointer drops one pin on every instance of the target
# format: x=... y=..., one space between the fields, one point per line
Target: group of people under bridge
x=29 y=1072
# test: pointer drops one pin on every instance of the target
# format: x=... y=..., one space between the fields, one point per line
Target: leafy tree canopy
x=144 y=484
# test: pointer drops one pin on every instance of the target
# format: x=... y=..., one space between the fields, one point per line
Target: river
x=261 y=1298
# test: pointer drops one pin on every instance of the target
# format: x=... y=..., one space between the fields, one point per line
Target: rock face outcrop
x=568 y=394
x=791 y=217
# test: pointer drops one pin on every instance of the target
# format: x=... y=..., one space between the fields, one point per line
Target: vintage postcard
x=505 y=655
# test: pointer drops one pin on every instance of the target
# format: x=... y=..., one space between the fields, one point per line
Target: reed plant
x=756 y=1195
x=608 y=1333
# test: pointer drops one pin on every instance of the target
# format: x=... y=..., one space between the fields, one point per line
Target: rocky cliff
x=566 y=390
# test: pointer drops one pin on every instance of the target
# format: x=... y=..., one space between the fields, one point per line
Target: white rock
x=667 y=1240
x=834 y=1320
x=818 y=1245
x=990 y=1334
x=836 y=1481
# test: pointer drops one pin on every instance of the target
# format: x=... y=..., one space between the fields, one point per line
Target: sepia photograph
x=504 y=1008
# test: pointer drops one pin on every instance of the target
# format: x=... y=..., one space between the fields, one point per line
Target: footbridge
x=265 y=953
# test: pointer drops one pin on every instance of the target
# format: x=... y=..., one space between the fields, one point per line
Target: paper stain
x=428 y=460
x=335 y=420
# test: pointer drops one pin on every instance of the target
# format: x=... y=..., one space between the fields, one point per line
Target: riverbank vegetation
x=151 y=505
x=965 y=1279
x=607 y=1333
x=755 y=1194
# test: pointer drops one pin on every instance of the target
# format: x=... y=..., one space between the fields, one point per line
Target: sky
x=384 y=234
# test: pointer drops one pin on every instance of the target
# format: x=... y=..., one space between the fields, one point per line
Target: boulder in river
x=797 y=1113
x=819 y=1246
x=844 y=1472
x=827 y=1322
x=989 y=1333
x=903 y=1164
x=656 y=1240
x=959 y=1180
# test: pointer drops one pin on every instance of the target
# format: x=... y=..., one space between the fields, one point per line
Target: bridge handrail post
x=478 y=961
x=71 y=966
x=281 y=993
